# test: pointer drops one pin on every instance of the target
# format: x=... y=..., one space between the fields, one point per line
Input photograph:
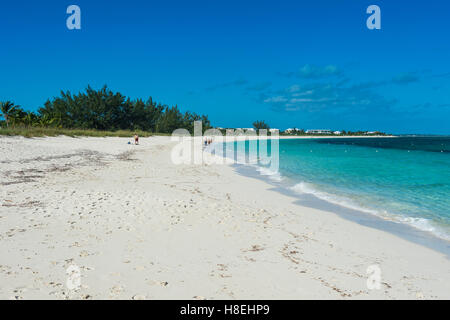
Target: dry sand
x=137 y=226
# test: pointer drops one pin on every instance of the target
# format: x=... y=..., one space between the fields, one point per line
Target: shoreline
x=334 y=136
x=125 y=134
x=398 y=228
x=282 y=137
x=436 y=240
x=140 y=227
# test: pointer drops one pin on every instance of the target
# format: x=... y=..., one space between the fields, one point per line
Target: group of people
x=208 y=142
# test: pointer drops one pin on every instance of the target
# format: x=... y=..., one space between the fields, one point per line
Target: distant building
x=337 y=132
x=245 y=129
x=274 y=130
x=318 y=131
x=291 y=130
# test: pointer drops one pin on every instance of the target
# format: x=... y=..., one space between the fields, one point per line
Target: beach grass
x=30 y=132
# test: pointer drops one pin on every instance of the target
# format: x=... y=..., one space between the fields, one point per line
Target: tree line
x=102 y=110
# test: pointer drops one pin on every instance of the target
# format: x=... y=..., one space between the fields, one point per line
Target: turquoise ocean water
x=402 y=179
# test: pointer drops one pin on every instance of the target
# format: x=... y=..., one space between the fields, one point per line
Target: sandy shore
x=135 y=226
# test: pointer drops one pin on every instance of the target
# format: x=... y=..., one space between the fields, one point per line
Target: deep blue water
x=403 y=179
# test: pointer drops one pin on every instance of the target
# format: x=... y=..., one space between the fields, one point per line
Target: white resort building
x=318 y=131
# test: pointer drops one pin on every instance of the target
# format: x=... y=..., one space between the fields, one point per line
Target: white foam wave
x=417 y=223
x=425 y=225
x=308 y=188
x=270 y=173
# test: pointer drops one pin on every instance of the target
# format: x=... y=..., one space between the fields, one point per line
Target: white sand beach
x=136 y=226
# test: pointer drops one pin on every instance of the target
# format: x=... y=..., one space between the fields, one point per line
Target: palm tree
x=28 y=119
x=261 y=125
x=8 y=108
x=45 y=120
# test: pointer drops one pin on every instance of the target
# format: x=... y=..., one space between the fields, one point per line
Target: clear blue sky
x=307 y=64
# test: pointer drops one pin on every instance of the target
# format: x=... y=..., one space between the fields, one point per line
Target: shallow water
x=404 y=179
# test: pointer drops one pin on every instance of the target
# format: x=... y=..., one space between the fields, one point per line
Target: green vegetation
x=8 y=110
x=260 y=125
x=97 y=113
x=103 y=113
x=29 y=132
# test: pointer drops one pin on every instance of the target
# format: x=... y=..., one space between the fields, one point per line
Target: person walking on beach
x=136 y=139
